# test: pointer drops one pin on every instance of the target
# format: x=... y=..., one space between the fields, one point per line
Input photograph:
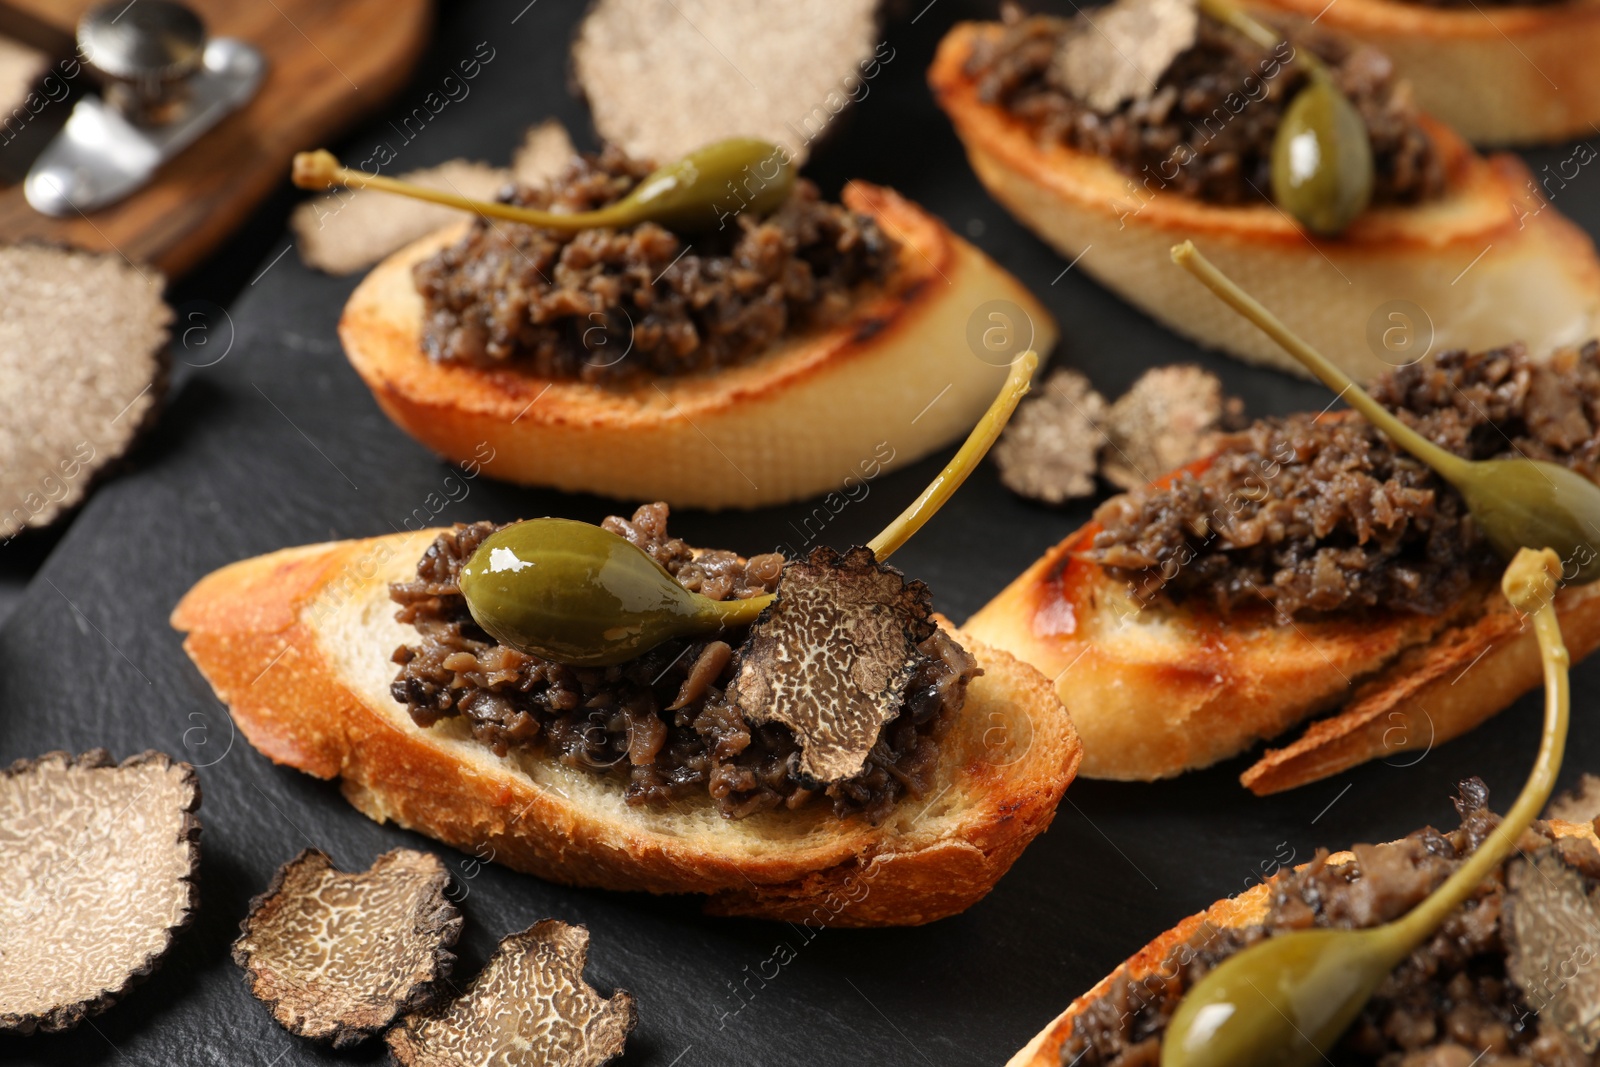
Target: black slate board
x=277 y=443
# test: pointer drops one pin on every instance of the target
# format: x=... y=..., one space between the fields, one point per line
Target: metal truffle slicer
x=164 y=84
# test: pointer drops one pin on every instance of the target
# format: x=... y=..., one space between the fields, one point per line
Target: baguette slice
x=1498 y=75
x=1170 y=688
x=791 y=424
x=297 y=643
x=1483 y=263
x=1229 y=913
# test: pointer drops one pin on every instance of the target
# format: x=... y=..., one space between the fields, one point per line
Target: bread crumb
x=1048 y=451
x=346 y=230
x=664 y=77
x=544 y=153
x=1166 y=420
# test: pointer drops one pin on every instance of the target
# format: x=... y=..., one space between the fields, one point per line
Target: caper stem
x=1259 y=32
x=743 y=612
x=1530 y=583
x=1233 y=17
x=1448 y=465
x=963 y=462
x=322 y=170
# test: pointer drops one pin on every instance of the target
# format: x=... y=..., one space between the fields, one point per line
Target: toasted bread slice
x=1165 y=689
x=1499 y=75
x=794 y=423
x=297 y=643
x=1229 y=913
x=1483 y=263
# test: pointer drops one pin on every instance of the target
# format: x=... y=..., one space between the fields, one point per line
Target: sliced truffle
x=1119 y=52
x=1049 y=450
x=350 y=229
x=1552 y=932
x=97 y=874
x=529 y=1007
x=1581 y=804
x=664 y=77
x=336 y=956
x=83 y=363
x=830 y=659
x=1166 y=420
x=544 y=153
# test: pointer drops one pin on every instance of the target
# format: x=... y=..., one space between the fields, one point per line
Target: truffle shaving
x=1166 y=420
x=1048 y=451
x=529 y=1007
x=335 y=956
x=1581 y=804
x=664 y=77
x=83 y=363
x=351 y=229
x=1120 y=51
x=97 y=874
x=545 y=151
x=831 y=658
x=1553 y=937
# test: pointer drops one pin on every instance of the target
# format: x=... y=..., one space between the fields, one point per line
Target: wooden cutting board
x=329 y=62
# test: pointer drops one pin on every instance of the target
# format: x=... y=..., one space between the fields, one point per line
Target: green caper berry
x=575 y=593
x=1322 y=171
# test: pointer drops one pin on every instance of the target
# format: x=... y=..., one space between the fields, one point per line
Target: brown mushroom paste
x=1322 y=513
x=1451 y=1003
x=602 y=305
x=663 y=720
x=1206 y=131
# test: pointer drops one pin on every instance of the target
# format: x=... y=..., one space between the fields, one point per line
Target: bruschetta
x=1473 y=260
x=1456 y=998
x=1305 y=567
x=887 y=377
x=299 y=644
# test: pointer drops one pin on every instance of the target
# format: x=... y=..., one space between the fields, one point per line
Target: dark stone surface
x=277 y=443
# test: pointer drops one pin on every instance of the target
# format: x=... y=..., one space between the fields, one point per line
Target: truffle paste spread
x=1205 y=126
x=664 y=721
x=1501 y=984
x=602 y=305
x=1322 y=513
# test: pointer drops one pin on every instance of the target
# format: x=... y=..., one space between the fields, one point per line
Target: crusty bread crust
x=1229 y=913
x=1167 y=689
x=1498 y=75
x=795 y=423
x=1483 y=263
x=297 y=644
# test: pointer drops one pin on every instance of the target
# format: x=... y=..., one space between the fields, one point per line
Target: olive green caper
x=1517 y=503
x=575 y=593
x=1322 y=159
x=1284 y=1001
x=699 y=193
